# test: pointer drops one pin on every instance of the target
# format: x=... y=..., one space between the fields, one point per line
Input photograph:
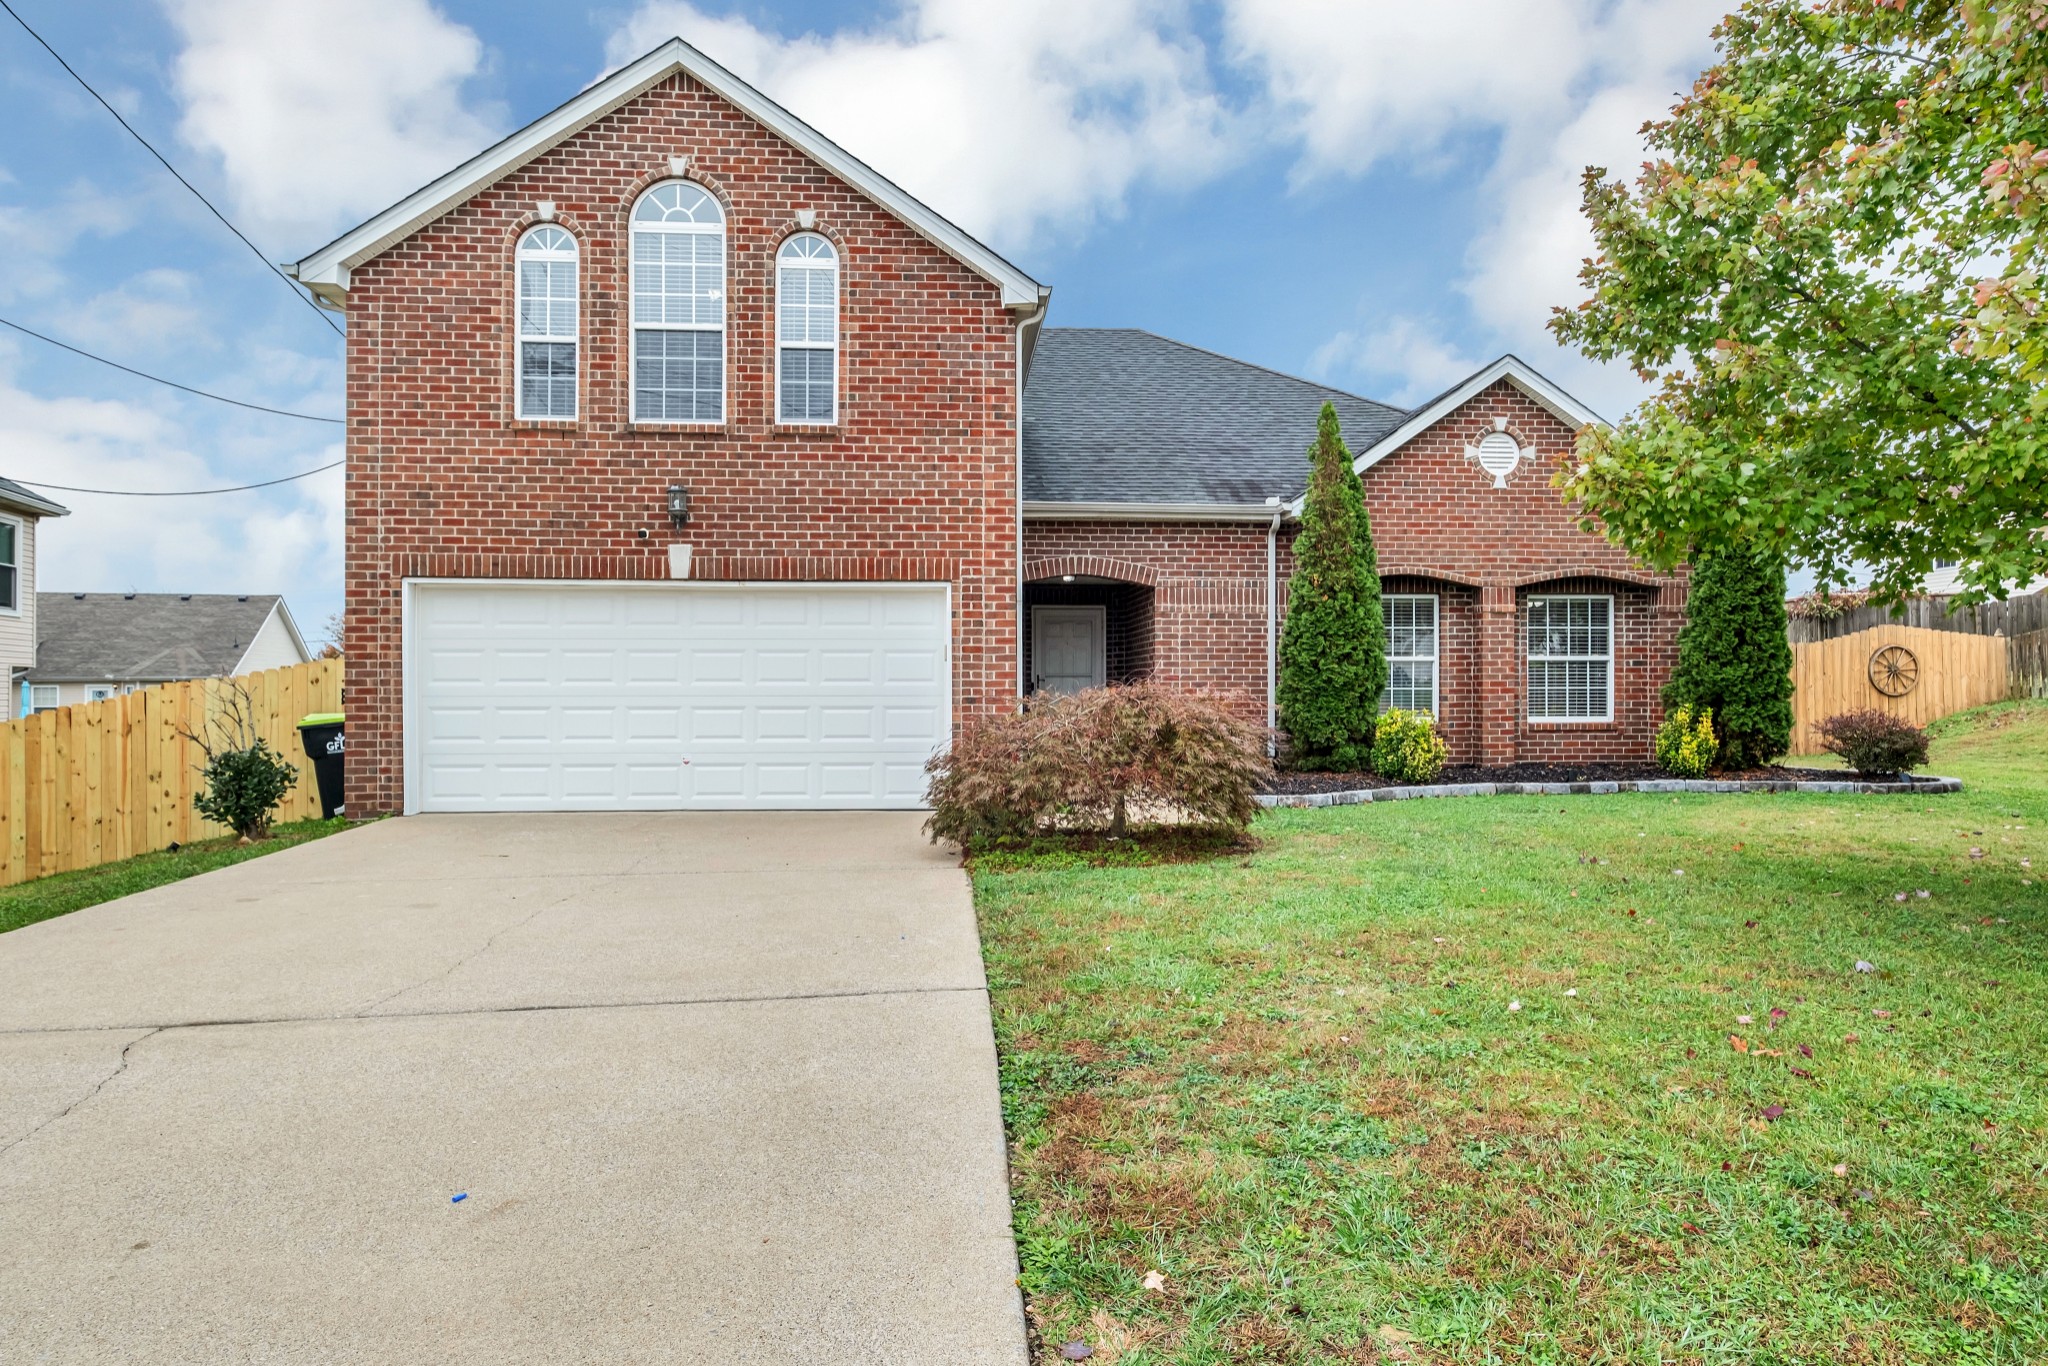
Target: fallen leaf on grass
x=1802 y=1073
x=1777 y=1014
x=1736 y=1042
x=1806 y=1050
x=1851 y=1038
x=1774 y=1112
x=1862 y=966
x=1881 y=1014
x=1155 y=1280
x=1076 y=1351
x=1745 y=1019
x=1393 y=1336
x=1691 y=1228
x=1841 y=1169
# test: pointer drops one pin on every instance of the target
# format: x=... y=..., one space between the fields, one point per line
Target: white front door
x=1067 y=649
x=556 y=696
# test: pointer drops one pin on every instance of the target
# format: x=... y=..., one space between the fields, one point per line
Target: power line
x=159 y=379
x=180 y=493
x=268 y=264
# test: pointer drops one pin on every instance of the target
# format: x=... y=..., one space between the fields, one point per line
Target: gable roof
x=15 y=496
x=1120 y=422
x=147 y=637
x=326 y=271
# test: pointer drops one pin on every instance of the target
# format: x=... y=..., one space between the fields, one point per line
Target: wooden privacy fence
x=101 y=781
x=1952 y=670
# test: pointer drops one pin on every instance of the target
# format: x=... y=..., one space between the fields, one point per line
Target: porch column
x=1500 y=683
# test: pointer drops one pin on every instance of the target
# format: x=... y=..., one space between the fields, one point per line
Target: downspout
x=1272 y=628
x=1027 y=343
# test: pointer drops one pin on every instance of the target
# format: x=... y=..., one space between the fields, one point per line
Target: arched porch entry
x=1087 y=621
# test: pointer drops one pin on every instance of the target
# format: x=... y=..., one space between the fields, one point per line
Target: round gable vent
x=1498 y=454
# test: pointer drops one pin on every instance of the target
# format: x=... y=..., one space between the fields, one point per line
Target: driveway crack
x=120 y=1066
x=470 y=957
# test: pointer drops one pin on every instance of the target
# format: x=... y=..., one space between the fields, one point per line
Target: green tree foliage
x=1836 y=262
x=1734 y=656
x=1333 y=649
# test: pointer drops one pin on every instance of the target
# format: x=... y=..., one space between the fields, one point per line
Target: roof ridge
x=1267 y=369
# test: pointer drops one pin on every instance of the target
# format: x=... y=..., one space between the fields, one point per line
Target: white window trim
x=724 y=328
x=520 y=339
x=1436 y=623
x=838 y=334
x=105 y=692
x=20 y=578
x=1613 y=632
x=40 y=689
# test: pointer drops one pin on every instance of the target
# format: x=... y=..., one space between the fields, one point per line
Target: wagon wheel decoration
x=1894 y=671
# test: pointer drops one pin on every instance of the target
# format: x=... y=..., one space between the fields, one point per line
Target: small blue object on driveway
x=458 y=1199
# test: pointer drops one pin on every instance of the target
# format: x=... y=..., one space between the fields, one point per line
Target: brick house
x=693 y=463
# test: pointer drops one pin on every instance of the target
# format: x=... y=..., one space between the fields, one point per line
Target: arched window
x=547 y=324
x=678 y=305
x=807 y=330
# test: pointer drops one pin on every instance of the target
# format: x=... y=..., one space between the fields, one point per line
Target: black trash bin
x=325 y=746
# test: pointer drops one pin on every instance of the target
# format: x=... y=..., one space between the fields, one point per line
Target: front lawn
x=61 y=893
x=1536 y=1080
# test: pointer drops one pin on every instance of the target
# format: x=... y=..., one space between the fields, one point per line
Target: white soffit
x=326 y=271
x=1516 y=371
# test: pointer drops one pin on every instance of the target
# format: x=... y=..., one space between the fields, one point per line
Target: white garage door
x=528 y=696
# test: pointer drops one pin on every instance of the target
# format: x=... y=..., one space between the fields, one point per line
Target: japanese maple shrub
x=1734 y=657
x=1333 y=648
x=1100 y=760
x=1874 y=743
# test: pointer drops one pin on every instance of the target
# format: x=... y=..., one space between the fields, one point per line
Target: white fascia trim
x=1149 y=512
x=277 y=609
x=1516 y=371
x=326 y=271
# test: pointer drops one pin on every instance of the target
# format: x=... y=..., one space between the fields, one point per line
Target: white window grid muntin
x=12 y=532
x=1570 y=640
x=42 y=697
x=678 y=233
x=549 y=314
x=1412 y=650
x=807 y=324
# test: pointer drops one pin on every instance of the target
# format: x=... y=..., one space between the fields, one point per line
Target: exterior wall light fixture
x=678 y=504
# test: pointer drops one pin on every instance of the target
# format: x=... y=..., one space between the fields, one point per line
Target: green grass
x=62 y=893
x=1292 y=1081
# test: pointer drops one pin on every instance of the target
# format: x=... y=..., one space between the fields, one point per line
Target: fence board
x=109 y=780
x=1957 y=671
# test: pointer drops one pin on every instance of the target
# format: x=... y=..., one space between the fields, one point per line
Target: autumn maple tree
x=1832 y=270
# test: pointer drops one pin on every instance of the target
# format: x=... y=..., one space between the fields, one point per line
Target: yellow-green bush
x=1406 y=747
x=1686 y=746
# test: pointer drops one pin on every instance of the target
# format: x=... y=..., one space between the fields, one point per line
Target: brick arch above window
x=695 y=174
x=1410 y=571
x=1558 y=574
x=1093 y=566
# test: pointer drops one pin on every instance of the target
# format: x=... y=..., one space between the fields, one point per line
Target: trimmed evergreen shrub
x=1686 y=747
x=1406 y=747
x=1874 y=743
x=1734 y=658
x=1333 y=648
x=1097 y=760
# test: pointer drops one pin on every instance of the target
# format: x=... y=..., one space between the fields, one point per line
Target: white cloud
x=280 y=540
x=324 y=111
x=150 y=312
x=1009 y=118
x=1403 y=352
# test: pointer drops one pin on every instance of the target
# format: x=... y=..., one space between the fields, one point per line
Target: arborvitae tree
x=1333 y=649
x=1734 y=655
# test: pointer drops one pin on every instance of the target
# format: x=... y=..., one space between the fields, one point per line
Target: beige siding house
x=20 y=511
x=95 y=645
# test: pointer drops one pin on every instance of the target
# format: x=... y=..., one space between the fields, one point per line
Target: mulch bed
x=1295 y=783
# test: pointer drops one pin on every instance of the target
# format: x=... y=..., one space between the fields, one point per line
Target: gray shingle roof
x=1116 y=415
x=14 y=495
x=146 y=637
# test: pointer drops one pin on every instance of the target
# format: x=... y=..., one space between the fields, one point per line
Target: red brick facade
x=917 y=481
x=1442 y=528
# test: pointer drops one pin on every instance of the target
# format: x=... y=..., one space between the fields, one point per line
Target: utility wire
x=181 y=493
x=159 y=379
x=268 y=264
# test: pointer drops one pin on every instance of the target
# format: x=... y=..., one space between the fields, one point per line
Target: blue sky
x=1382 y=195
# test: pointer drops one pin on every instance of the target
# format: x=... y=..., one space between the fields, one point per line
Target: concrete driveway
x=718 y=1088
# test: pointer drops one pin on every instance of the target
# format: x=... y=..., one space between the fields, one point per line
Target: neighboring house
x=693 y=463
x=20 y=511
x=96 y=645
x=1946 y=578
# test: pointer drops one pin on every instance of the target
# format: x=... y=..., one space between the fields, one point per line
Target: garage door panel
x=533 y=696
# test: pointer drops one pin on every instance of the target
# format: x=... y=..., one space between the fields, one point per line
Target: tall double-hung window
x=1571 y=659
x=1411 y=652
x=547 y=324
x=678 y=282
x=807 y=330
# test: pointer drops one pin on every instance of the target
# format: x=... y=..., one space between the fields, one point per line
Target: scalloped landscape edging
x=1359 y=796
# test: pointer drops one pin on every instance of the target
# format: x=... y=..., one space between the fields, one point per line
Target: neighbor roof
x=144 y=637
x=1118 y=416
x=15 y=496
x=326 y=271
